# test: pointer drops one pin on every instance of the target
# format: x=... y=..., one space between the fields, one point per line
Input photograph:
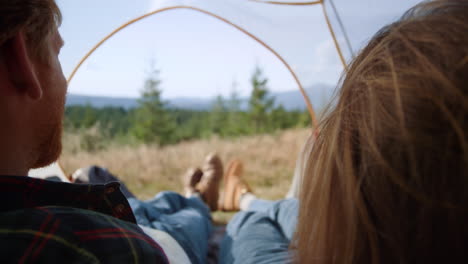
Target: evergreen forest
x=154 y=122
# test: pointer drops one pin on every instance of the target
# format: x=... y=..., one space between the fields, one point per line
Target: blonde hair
x=386 y=180
x=38 y=19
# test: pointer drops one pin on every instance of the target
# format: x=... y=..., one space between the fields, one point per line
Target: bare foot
x=209 y=184
x=234 y=187
x=191 y=179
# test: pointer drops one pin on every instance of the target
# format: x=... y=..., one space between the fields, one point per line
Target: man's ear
x=21 y=69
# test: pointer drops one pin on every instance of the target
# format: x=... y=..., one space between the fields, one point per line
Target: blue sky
x=199 y=56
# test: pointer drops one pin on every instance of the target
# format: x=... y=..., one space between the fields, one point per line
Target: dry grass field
x=269 y=161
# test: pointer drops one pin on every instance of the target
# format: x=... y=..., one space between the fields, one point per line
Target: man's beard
x=49 y=137
x=50 y=147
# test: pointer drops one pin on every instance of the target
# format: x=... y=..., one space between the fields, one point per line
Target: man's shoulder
x=54 y=233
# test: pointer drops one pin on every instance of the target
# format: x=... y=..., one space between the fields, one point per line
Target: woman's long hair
x=387 y=180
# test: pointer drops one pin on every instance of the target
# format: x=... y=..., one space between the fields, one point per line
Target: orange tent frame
x=275 y=53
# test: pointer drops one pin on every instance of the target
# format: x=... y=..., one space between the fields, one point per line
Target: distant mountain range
x=319 y=94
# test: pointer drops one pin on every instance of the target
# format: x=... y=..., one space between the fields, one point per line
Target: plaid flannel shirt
x=54 y=222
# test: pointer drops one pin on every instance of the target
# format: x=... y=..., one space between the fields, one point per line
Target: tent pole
x=335 y=40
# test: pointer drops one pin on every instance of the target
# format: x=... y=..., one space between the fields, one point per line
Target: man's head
x=32 y=85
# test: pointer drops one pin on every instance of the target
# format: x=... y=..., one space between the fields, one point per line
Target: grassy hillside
x=269 y=161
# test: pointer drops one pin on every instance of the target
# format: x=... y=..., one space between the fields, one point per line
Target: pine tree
x=280 y=118
x=260 y=103
x=153 y=122
x=237 y=124
x=218 y=117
